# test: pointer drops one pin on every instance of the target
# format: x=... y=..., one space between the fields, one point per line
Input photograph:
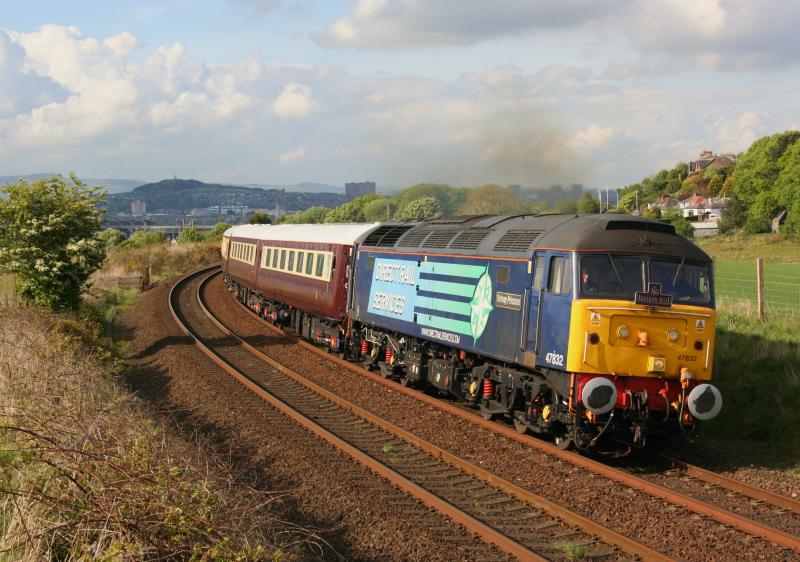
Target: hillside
x=112 y=185
x=178 y=195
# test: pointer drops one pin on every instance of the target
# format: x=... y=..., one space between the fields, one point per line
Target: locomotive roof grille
x=517 y=240
x=439 y=238
x=413 y=238
x=637 y=225
x=386 y=236
x=469 y=239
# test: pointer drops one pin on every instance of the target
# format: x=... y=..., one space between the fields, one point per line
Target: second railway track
x=517 y=521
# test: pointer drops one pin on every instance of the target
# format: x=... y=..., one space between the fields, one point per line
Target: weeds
x=85 y=473
x=165 y=260
x=571 y=550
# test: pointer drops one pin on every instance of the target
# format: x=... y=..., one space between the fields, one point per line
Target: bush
x=48 y=238
x=143 y=238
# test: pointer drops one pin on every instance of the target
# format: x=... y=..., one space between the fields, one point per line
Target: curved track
x=518 y=522
x=733 y=503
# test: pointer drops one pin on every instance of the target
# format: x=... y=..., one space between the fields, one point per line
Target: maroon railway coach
x=279 y=268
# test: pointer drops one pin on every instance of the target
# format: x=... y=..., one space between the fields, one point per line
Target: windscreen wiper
x=678 y=271
x=616 y=271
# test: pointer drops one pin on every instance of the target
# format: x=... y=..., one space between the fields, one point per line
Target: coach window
x=300 y=257
x=283 y=259
x=265 y=257
x=501 y=276
x=310 y=263
x=559 y=280
x=320 y=265
x=291 y=261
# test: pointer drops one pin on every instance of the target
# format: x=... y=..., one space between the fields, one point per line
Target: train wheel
x=563 y=442
x=405 y=381
x=520 y=426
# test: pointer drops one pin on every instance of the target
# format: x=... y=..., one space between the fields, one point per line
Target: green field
x=736 y=280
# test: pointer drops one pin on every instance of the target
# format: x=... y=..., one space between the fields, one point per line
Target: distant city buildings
x=138 y=207
x=356 y=189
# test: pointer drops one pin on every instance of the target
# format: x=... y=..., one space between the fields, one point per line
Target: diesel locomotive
x=581 y=328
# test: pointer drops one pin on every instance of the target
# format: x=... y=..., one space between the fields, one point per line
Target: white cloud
x=402 y=24
x=592 y=137
x=295 y=101
x=292 y=155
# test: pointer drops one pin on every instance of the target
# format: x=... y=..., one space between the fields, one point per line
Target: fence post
x=760 y=286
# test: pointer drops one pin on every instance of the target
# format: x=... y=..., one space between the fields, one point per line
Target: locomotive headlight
x=705 y=401
x=673 y=335
x=623 y=331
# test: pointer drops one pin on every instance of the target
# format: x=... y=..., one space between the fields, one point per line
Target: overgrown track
x=517 y=521
x=731 y=502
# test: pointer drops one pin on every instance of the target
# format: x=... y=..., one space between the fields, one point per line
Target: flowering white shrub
x=48 y=237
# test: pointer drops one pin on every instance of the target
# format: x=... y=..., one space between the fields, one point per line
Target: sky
x=598 y=92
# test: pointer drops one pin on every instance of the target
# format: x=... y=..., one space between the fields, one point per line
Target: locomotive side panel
x=470 y=303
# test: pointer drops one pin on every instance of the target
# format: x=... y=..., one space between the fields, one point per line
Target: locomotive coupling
x=705 y=401
x=599 y=395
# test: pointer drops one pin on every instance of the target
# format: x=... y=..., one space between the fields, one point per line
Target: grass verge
x=85 y=472
x=757 y=368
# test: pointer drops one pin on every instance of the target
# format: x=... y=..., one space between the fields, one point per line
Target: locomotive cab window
x=538 y=274
x=611 y=276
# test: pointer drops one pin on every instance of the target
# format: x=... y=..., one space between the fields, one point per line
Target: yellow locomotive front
x=641 y=344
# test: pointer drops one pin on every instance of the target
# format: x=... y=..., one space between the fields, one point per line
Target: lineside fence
x=771 y=287
x=8 y=289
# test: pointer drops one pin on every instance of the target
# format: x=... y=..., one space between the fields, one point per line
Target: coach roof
x=519 y=235
x=345 y=234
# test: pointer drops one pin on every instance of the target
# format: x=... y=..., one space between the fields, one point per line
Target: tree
x=190 y=234
x=111 y=237
x=450 y=198
x=422 y=208
x=676 y=219
x=48 y=238
x=765 y=179
x=216 y=233
x=260 y=217
x=379 y=210
x=352 y=211
x=588 y=204
x=495 y=200
x=733 y=215
x=566 y=207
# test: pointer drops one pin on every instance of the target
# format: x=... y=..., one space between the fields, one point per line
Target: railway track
x=733 y=503
x=517 y=521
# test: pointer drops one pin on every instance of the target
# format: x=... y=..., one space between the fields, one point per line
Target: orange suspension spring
x=364 y=347
x=388 y=354
x=488 y=388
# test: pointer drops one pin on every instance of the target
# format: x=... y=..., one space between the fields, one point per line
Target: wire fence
x=737 y=281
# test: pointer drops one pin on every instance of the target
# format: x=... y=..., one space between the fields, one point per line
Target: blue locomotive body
x=482 y=305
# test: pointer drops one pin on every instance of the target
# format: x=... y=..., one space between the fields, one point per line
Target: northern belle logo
x=447 y=300
x=653 y=297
